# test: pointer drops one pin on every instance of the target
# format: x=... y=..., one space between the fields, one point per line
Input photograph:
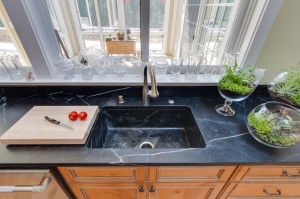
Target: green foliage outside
x=270 y=131
x=289 y=88
x=238 y=81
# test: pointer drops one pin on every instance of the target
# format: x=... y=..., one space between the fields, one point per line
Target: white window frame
x=41 y=46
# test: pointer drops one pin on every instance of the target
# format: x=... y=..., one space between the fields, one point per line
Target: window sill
x=110 y=80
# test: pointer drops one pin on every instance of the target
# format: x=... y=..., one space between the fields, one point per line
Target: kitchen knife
x=58 y=122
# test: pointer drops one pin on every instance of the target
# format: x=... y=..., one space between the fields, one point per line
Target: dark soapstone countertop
x=228 y=141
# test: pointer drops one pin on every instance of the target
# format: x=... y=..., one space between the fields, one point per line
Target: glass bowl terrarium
x=286 y=88
x=236 y=85
x=275 y=124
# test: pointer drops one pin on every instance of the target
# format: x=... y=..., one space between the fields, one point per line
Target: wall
x=282 y=48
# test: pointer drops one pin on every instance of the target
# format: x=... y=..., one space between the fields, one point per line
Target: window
x=204 y=31
x=176 y=26
x=1 y=24
x=213 y=27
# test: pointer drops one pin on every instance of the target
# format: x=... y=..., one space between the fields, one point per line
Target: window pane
x=103 y=10
x=92 y=41
x=1 y=24
x=132 y=13
x=157 y=14
x=87 y=14
x=156 y=43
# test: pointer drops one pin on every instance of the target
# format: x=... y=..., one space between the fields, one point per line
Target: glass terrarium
x=286 y=88
x=236 y=85
x=275 y=124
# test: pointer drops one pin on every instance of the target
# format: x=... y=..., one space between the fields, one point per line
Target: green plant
x=271 y=131
x=238 y=81
x=289 y=88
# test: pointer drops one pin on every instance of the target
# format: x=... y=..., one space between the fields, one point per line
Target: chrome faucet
x=153 y=93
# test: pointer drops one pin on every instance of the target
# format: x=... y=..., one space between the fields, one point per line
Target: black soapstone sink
x=146 y=127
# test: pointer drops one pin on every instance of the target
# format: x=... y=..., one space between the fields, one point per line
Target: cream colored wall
x=282 y=47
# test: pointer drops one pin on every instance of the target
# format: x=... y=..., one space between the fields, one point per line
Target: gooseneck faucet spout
x=153 y=93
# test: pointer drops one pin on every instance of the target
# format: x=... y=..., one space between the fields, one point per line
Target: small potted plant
x=121 y=35
x=286 y=88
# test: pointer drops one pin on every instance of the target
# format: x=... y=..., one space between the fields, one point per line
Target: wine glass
x=119 y=66
x=138 y=64
x=237 y=85
x=100 y=67
x=65 y=65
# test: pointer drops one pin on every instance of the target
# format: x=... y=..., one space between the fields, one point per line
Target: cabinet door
x=109 y=190
x=184 y=190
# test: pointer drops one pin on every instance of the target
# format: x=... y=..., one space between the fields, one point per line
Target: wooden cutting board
x=33 y=128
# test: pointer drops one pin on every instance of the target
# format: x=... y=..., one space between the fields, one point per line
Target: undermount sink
x=146 y=127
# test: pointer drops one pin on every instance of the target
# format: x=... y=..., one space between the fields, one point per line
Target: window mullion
x=145 y=29
x=89 y=12
x=121 y=14
x=98 y=14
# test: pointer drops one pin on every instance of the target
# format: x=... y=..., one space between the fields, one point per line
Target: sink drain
x=146 y=145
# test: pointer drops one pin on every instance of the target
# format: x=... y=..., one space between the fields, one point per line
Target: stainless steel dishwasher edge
x=29 y=184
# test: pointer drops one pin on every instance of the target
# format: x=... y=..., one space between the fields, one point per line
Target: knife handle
x=52 y=120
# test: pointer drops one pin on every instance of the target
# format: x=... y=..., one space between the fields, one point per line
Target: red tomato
x=73 y=115
x=82 y=115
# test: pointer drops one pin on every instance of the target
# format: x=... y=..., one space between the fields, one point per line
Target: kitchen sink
x=146 y=127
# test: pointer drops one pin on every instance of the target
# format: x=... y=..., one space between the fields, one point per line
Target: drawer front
x=94 y=174
x=264 y=190
x=109 y=190
x=190 y=173
x=257 y=173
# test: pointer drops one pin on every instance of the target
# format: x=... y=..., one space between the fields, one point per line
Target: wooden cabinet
x=164 y=182
x=263 y=182
x=120 y=47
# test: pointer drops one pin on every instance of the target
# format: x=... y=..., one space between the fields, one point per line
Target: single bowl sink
x=146 y=127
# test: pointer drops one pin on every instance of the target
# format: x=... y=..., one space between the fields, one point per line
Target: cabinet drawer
x=109 y=190
x=190 y=173
x=263 y=190
x=257 y=173
x=94 y=174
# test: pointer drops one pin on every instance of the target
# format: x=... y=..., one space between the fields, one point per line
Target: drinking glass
x=234 y=96
x=12 y=64
x=65 y=65
x=160 y=66
x=86 y=72
x=176 y=64
x=3 y=71
x=196 y=64
x=100 y=67
x=119 y=67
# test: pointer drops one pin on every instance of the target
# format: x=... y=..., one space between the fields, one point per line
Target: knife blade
x=58 y=122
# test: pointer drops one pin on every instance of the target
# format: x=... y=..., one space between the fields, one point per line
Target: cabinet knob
x=141 y=189
x=152 y=189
